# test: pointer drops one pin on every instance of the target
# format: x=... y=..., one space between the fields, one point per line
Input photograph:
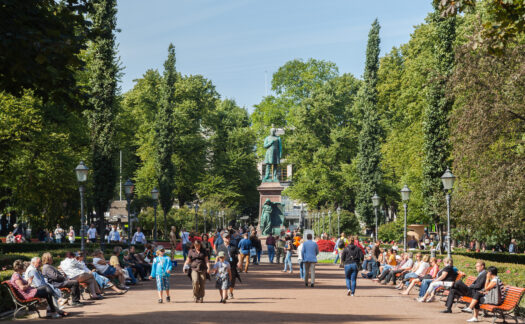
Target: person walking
x=160 y=270
x=300 y=259
x=59 y=233
x=231 y=255
x=92 y=233
x=280 y=248
x=339 y=247
x=224 y=276
x=185 y=236
x=198 y=265
x=244 y=246
x=71 y=235
x=351 y=257
x=114 y=236
x=270 y=244
x=139 y=237
x=309 y=251
x=173 y=241
x=288 y=247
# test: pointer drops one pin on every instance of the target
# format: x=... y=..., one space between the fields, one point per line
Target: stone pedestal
x=268 y=190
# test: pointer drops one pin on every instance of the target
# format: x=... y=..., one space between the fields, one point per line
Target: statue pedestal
x=268 y=190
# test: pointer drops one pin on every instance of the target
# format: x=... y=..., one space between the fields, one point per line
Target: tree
x=102 y=80
x=368 y=166
x=41 y=43
x=165 y=136
x=435 y=119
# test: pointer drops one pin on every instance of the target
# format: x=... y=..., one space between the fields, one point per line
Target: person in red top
x=28 y=292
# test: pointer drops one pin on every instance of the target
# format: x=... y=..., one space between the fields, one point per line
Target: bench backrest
x=460 y=276
x=13 y=292
x=511 y=297
x=470 y=280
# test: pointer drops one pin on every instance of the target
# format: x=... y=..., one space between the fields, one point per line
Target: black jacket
x=479 y=283
x=352 y=254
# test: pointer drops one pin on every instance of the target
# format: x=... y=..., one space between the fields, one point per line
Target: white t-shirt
x=423 y=266
x=58 y=233
x=101 y=268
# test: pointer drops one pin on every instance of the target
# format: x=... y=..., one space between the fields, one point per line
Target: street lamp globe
x=405 y=193
x=375 y=200
x=154 y=194
x=196 y=207
x=448 y=180
x=128 y=187
x=82 y=172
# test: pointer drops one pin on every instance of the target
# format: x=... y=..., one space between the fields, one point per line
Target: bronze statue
x=272 y=159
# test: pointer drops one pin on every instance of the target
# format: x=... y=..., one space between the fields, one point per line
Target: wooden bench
x=442 y=289
x=468 y=281
x=511 y=300
x=21 y=303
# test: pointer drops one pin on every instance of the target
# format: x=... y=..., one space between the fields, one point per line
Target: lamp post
x=155 y=197
x=330 y=222
x=405 y=196
x=128 y=189
x=375 y=202
x=82 y=172
x=196 y=206
x=338 y=220
x=205 y=216
x=448 y=183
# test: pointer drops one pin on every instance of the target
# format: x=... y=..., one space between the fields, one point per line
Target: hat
x=159 y=248
x=221 y=254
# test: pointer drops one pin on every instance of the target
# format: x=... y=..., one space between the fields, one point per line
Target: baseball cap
x=221 y=254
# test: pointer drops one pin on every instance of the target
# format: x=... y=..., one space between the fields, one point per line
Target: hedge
x=487 y=256
x=39 y=247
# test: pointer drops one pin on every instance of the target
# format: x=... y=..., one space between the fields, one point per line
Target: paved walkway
x=266 y=296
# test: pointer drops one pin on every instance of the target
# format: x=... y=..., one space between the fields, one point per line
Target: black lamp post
x=128 y=189
x=205 y=216
x=405 y=196
x=375 y=202
x=338 y=220
x=155 y=197
x=196 y=206
x=330 y=222
x=448 y=183
x=82 y=173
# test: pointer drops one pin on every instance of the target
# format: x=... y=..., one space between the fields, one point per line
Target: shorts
x=163 y=283
x=222 y=284
x=110 y=271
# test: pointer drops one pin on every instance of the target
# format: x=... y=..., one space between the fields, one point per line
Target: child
x=224 y=276
x=161 y=271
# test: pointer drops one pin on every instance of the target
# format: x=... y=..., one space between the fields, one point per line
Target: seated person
x=421 y=269
x=490 y=294
x=117 y=261
x=137 y=258
x=459 y=288
x=105 y=269
x=125 y=258
x=102 y=281
x=56 y=279
x=74 y=270
x=25 y=291
x=403 y=267
x=431 y=274
x=445 y=278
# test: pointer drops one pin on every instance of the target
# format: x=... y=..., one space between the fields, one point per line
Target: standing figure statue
x=272 y=216
x=272 y=159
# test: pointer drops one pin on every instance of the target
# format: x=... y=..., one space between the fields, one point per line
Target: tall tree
x=102 y=80
x=368 y=165
x=165 y=168
x=436 y=144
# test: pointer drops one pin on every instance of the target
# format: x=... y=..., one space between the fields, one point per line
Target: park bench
x=511 y=300
x=21 y=303
x=442 y=290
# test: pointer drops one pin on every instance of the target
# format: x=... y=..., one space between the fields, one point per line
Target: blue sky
x=236 y=43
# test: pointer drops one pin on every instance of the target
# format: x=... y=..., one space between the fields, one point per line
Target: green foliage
x=369 y=158
x=392 y=231
x=41 y=43
x=102 y=80
x=436 y=115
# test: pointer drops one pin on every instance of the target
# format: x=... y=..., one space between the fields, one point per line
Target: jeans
x=424 y=286
x=351 y=274
x=102 y=281
x=409 y=276
x=375 y=269
x=301 y=269
x=280 y=251
x=271 y=252
x=184 y=251
x=259 y=252
x=288 y=260
x=337 y=258
x=58 y=240
x=131 y=276
x=365 y=264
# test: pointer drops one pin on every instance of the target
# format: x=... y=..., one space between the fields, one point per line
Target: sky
x=239 y=44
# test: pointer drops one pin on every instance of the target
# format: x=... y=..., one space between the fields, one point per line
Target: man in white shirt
x=75 y=270
x=185 y=236
x=59 y=233
x=114 y=236
x=92 y=233
x=139 y=237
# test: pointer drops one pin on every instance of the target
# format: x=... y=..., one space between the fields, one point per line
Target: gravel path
x=267 y=295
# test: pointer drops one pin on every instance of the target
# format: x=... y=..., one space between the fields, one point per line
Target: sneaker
x=431 y=299
x=312 y=285
x=352 y=295
x=168 y=299
x=420 y=299
x=467 y=310
x=201 y=300
x=160 y=301
x=473 y=319
x=349 y=292
x=221 y=300
x=446 y=311
x=54 y=315
x=231 y=296
x=76 y=304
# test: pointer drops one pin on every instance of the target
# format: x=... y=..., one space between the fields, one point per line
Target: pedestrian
x=280 y=248
x=288 y=247
x=309 y=251
x=161 y=272
x=206 y=245
x=270 y=244
x=300 y=259
x=198 y=266
x=114 y=236
x=173 y=241
x=258 y=248
x=71 y=235
x=253 y=250
x=244 y=246
x=340 y=244
x=185 y=242
x=231 y=255
x=139 y=237
x=59 y=234
x=222 y=270
x=351 y=257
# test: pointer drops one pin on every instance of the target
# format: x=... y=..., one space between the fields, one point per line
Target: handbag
x=253 y=252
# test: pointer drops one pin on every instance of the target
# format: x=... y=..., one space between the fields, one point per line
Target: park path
x=266 y=296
